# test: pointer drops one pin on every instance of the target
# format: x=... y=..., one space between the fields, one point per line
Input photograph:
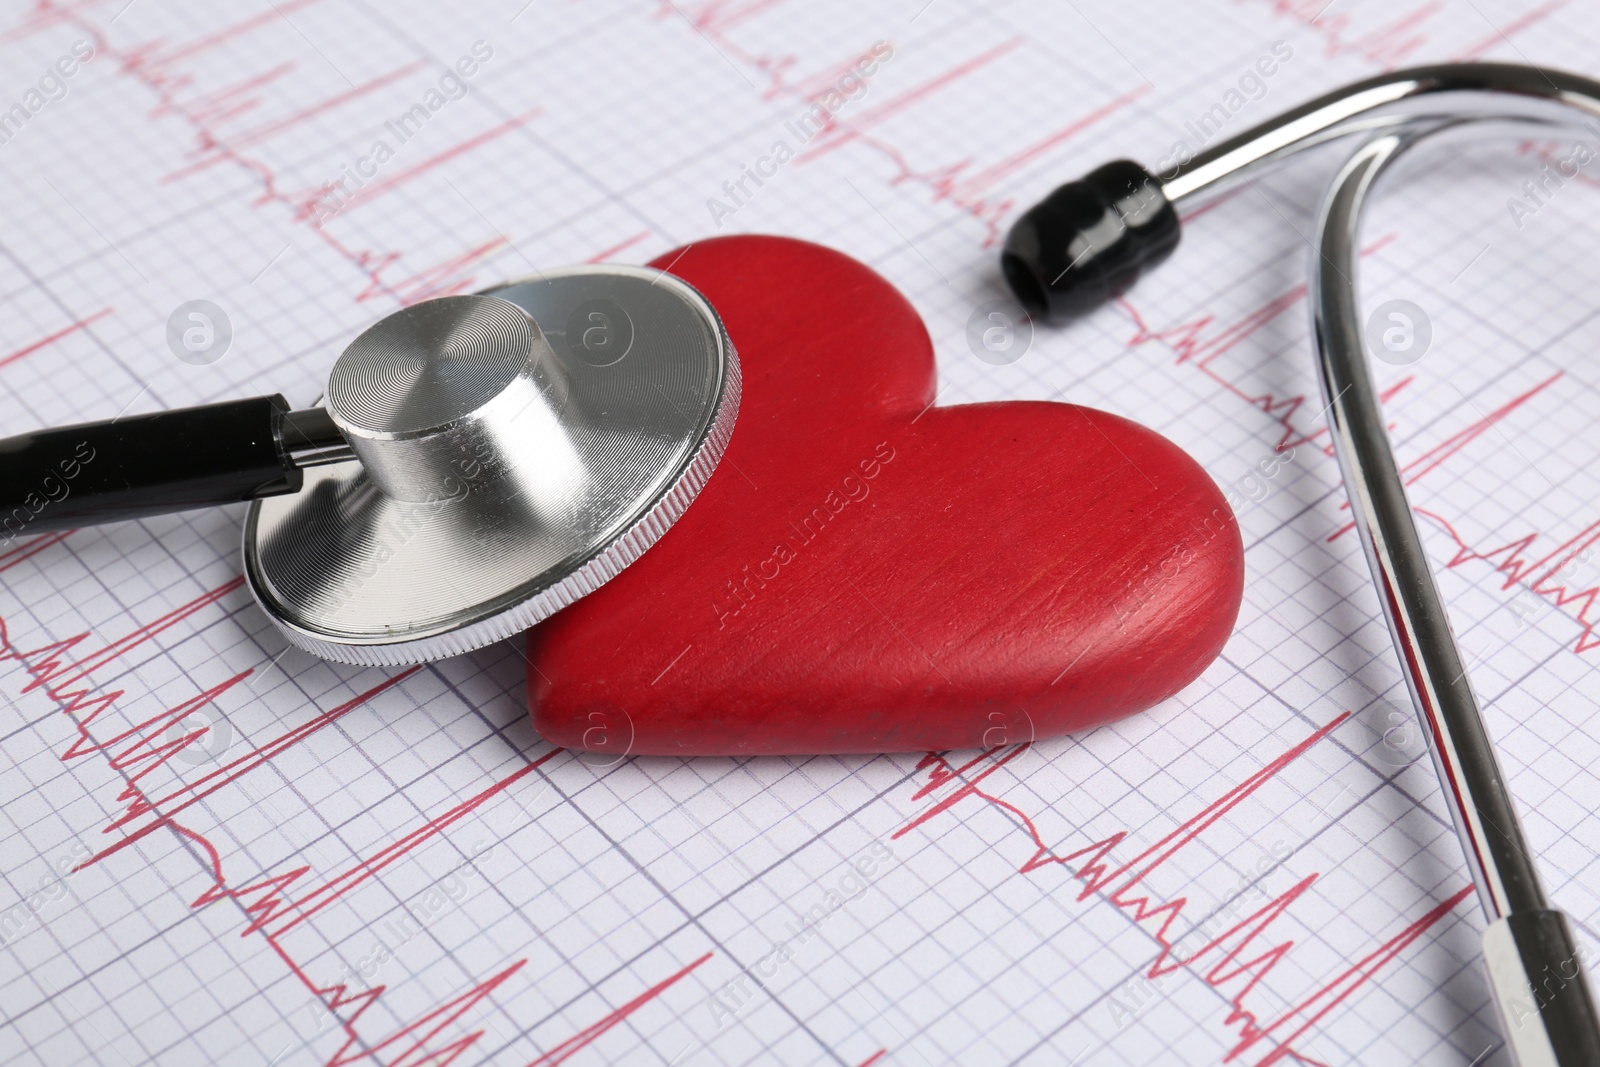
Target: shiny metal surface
x=311 y=438
x=1445 y=92
x=1540 y=990
x=1536 y=975
x=1496 y=854
x=518 y=448
x=456 y=395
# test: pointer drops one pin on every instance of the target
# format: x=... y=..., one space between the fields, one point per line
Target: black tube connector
x=1087 y=242
x=140 y=465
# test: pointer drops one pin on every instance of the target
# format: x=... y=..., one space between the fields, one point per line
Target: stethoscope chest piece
x=514 y=449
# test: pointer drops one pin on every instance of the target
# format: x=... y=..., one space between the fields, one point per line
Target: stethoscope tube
x=1444 y=93
x=1536 y=972
x=135 y=466
x=1473 y=788
x=1091 y=239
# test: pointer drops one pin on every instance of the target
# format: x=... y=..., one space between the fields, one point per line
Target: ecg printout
x=217 y=849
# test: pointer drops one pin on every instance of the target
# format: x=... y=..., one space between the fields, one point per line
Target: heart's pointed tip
x=894 y=578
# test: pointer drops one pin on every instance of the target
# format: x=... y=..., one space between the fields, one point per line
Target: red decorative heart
x=868 y=573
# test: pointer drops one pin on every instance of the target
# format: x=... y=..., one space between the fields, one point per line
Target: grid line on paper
x=611 y=885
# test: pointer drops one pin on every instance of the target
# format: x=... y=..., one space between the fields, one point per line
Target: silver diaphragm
x=516 y=448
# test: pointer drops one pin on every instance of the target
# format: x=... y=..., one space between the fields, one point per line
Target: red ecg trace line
x=1415 y=470
x=715 y=16
x=1392 y=44
x=222 y=103
x=290 y=121
x=50 y=339
x=1192 y=345
x=581 y=1040
x=950 y=183
x=141 y=749
x=422 y=1031
x=46 y=665
x=1431 y=460
x=152 y=744
x=1201 y=341
x=839 y=133
x=274 y=12
x=336 y=887
x=374 y=189
x=1387 y=46
x=617 y=249
x=441 y=279
x=13 y=556
x=152 y=66
x=1190 y=342
x=1503 y=34
x=1123 y=886
x=1509 y=560
x=191 y=793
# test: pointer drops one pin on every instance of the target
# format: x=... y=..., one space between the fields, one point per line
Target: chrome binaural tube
x=1535 y=970
x=1444 y=93
x=1091 y=239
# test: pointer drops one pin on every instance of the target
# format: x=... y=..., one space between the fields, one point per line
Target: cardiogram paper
x=216 y=849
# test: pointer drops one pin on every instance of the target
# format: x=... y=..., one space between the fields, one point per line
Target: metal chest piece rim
x=517 y=448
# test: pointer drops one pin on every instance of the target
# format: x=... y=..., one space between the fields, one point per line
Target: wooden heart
x=866 y=572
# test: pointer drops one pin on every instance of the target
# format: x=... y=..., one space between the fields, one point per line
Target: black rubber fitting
x=1087 y=242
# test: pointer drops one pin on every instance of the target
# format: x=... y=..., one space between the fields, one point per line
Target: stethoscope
x=481 y=461
x=1089 y=240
